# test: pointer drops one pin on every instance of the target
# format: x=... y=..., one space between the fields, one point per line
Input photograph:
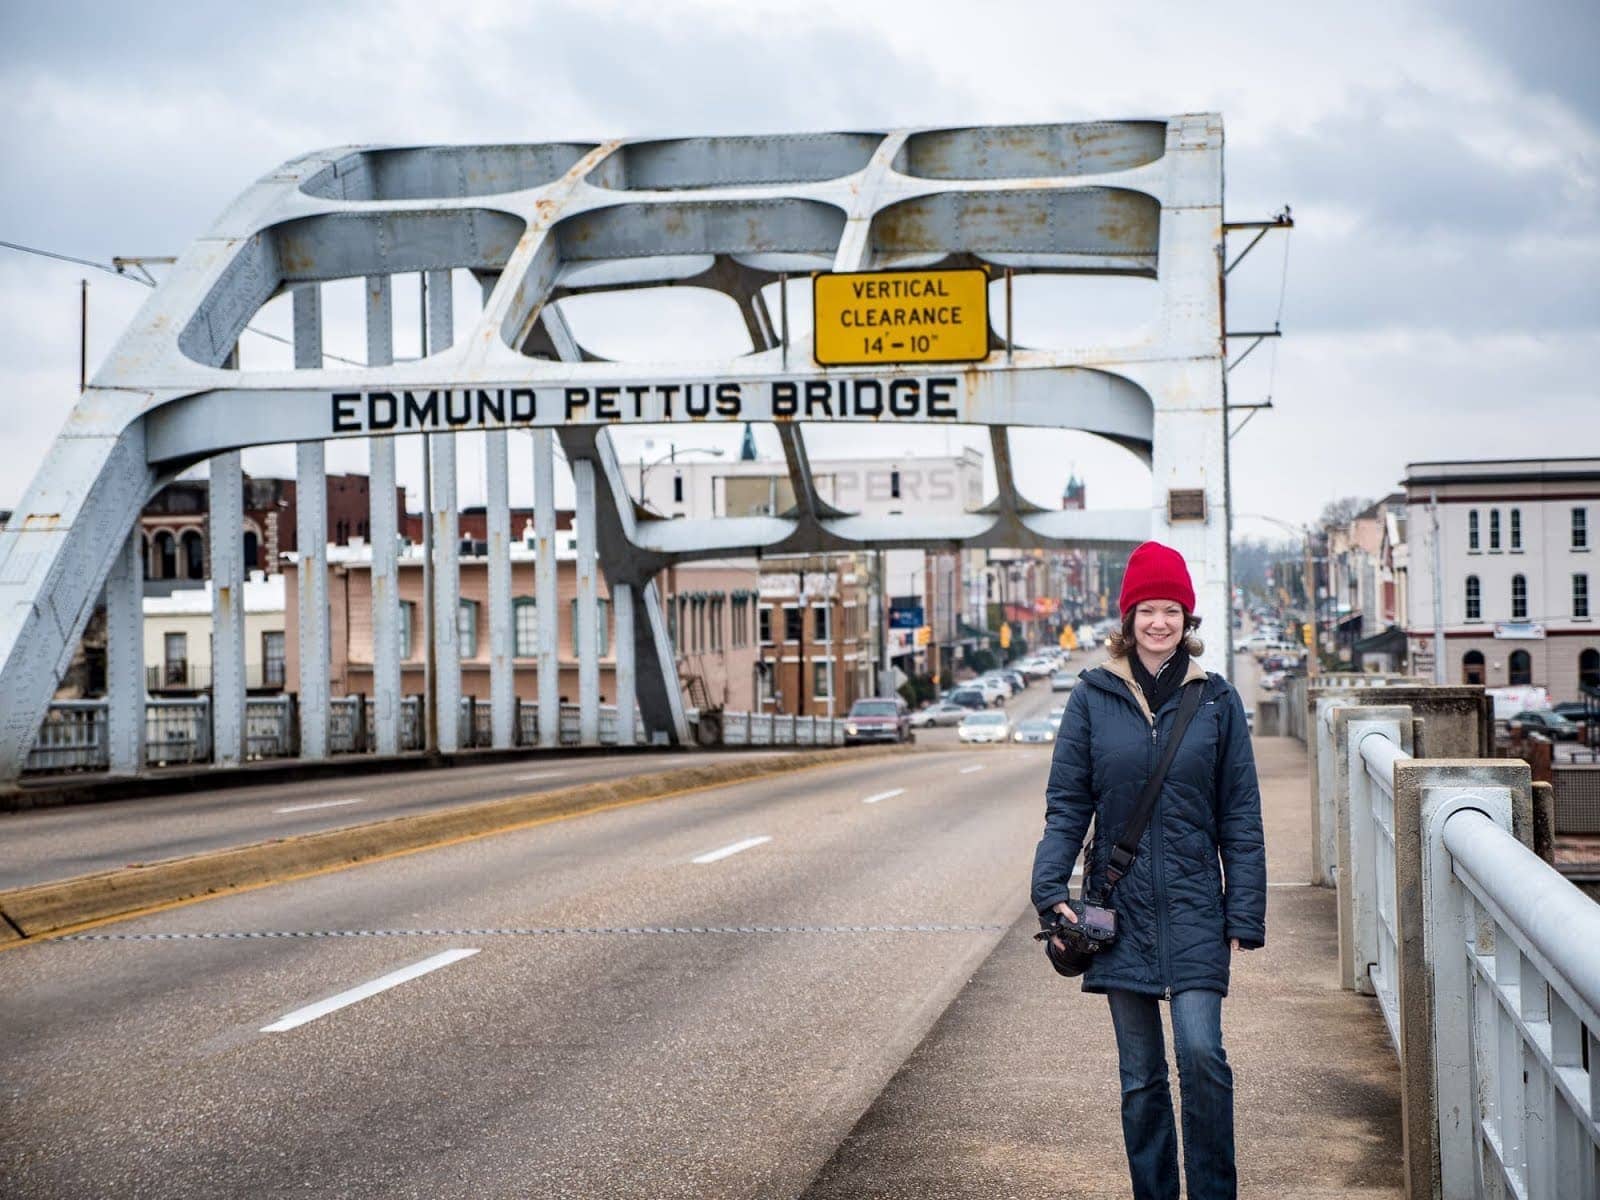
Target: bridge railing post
x=1434 y=1021
x=1363 y=816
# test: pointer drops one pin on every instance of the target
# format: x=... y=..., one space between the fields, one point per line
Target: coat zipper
x=1157 y=867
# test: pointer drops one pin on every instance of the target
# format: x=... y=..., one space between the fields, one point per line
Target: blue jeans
x=1207 y=1081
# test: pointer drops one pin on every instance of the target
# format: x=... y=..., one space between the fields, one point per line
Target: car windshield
x=986 y=718
x=873 y=708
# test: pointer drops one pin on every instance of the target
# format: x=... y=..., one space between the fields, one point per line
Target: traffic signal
x=1307 y=634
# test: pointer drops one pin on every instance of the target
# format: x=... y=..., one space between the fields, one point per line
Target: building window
x=894 y=484
x=764 y=625
x=1580 y=529
x=821 y=623
x=602 y=627
x=166 y=563
x=1516 y=529
x=176 y=646
x=822 y=680
x=272 y=658
x=194 y=556
x=1472 y=667
x=1494 y=529
x=1472 y=531
x=525 y=627
x=792 y=631
x=677 y=489
x=1589 y=668
x=1580 y=596
x=408 y=622
x=1519 y=597
x=1474 y=599
x=252 y=551
x=1521 y=668
x=467 y=629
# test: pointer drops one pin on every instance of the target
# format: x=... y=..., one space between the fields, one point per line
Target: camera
x=1094 y=931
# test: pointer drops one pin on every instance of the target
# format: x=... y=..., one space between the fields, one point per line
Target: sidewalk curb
x=40 y=910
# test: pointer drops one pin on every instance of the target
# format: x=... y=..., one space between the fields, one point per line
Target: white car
x=1063 y=681
x=985 y=727
x=997 y=692
x=1057 y=714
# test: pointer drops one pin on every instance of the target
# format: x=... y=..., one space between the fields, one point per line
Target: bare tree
x=1341 y=512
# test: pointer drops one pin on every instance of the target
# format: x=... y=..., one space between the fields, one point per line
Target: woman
x=1177 y=921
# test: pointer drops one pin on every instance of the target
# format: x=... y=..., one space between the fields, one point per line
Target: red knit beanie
x=1156 y=572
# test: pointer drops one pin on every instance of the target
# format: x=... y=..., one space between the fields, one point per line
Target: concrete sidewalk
x=1014 y=1092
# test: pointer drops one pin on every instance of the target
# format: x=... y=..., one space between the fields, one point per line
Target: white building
x=947 y=588
x=177 y=636
x=1515 y=545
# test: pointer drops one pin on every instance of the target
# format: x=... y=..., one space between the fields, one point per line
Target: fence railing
x=73 y=736
x=1484 y=960
x=780 y=729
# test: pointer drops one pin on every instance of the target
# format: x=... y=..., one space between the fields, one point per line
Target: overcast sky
x=1443 y=283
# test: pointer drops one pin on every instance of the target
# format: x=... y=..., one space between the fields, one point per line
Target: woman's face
x=1158 y=626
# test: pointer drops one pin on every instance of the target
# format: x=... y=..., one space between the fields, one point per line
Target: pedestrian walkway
x=1014 y=1092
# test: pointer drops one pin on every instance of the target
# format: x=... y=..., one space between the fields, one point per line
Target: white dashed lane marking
x=383 y=983
x=294 y=808
x=971 y=769
x=889 y=795
x=727 y=851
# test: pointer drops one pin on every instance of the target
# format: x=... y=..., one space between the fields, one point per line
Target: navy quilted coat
x=1174 y=913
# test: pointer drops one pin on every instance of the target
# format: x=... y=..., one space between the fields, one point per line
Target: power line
x=121 y=274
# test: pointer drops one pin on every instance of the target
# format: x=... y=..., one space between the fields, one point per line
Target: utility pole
x=1438 y=590
x=83 y=335
x=429 y=685
x=1314 y=651
x=800 y=687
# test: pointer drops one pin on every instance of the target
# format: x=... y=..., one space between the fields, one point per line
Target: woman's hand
x=1072 y=918
x=1234 y=942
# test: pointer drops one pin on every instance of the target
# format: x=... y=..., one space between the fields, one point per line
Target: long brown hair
x=1120 y=644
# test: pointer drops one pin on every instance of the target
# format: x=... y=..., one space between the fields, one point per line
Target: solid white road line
x=889 y=795
x=382 y=984
x=537 y=775
x=726 y=851
x=971 y=769
x=294 y=808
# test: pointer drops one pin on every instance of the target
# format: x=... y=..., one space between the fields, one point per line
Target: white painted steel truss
x=535 y=223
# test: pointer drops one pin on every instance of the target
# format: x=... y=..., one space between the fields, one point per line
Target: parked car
x=1572 y=710
x=984 y=727
x=940 y=712
x=1549 y=723
x=969 y=698
x=1035 y=731
x=994 y=690
x=1057 y=714
x=877 y=720
x=1063 y=681
x=1018 y=679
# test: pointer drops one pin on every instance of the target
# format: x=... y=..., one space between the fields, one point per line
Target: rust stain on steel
x=41 y=522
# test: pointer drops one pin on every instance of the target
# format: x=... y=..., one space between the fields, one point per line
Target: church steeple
x=1073 y=496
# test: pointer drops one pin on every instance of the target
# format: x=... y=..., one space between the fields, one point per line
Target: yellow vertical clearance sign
x=869 y=317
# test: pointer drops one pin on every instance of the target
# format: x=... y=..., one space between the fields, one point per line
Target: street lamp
x=672 y=456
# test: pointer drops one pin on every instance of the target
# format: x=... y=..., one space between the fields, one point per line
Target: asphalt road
x=40 y=845
x=174 y=1056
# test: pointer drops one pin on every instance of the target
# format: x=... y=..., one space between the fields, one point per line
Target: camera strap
x=1127 y=847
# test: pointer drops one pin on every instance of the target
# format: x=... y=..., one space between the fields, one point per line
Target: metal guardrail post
x=1416 y=782
x=1354 y=811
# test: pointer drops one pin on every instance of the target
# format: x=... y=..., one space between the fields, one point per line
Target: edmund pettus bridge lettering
x=934 y=398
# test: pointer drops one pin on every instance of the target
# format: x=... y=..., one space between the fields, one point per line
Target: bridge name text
x=934 y=398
